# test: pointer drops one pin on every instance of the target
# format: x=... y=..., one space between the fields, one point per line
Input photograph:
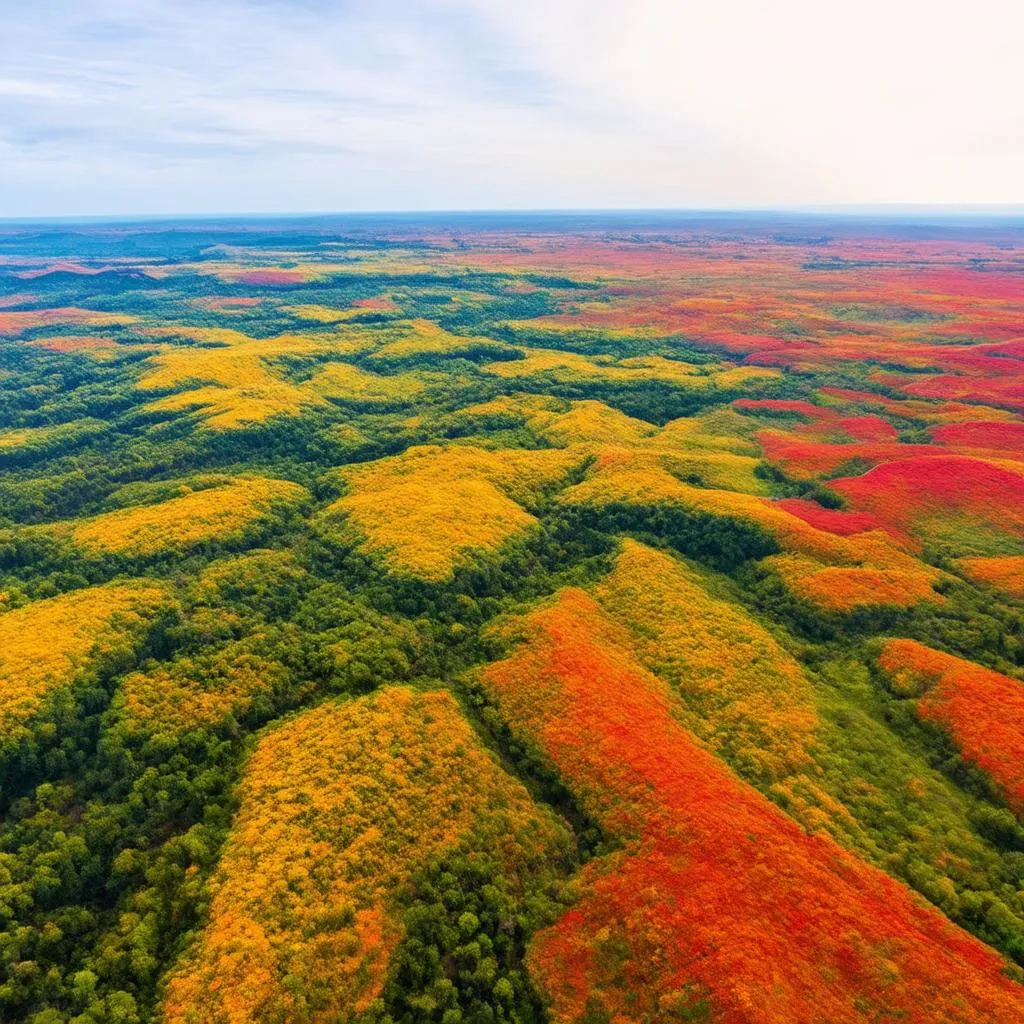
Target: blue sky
x=168 y=106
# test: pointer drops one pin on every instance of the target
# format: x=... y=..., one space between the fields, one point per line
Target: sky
x=122 y=107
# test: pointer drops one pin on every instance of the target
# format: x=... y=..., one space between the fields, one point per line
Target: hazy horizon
x=149 y=108
x=928 y=212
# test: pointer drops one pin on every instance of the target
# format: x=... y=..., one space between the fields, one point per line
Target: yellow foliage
x=650 y=477
x=36 y=437
x=347 y=382
x=567 y=367
x=261 y=276
x=690 y=448
x=708 y=468
x=875 y=570
x=196 y=691
x=232 y=408
x=590 y=422
x=721 y=429
x=551 y=329
x=208 y=337
x=222 y=513
x=741 y=375
x=44 y=645
x=241 y=574
x=20 y=438
x=338 y=808
x=520 y=406
x=428 y=509
x=425 y=338
x=322 y=314
x=564 y=422
x=744 y=693
x=348 y=436
x=235 y=384
x=571 y=366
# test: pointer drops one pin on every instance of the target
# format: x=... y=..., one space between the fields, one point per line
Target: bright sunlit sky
x=201 y=106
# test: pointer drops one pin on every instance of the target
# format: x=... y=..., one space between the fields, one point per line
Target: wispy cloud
x=168 y=105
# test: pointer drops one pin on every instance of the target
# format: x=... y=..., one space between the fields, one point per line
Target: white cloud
x=116 y=106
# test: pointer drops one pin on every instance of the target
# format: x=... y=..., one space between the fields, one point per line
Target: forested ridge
x=523 y=623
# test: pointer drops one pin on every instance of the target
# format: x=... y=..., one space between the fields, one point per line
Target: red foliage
x=802 y=458
x=716 y=896
x=17 y=299
x=377 y=303
x=982 y=710
x=782 y=405
x=841 y=523
x=867 y=428
x=809 y=448
x=1004 y=437
x=905 y=492
x=14 y=322
x=74 y=342
x=736 y=343
x=958 y=282
x=272 y=276
x=1008 y=394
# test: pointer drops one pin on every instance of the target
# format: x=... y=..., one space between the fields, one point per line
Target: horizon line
x=852 y=210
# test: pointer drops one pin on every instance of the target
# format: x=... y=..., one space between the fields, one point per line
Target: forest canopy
x=521 y=622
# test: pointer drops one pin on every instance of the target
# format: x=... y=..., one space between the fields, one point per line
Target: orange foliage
x=918 y=409
x=377 y=304
x=227 y=303
x=14 y=323
x=95 y=345
x=339 y=807
x=844 y=588
x=746 y=695
x=17 y=299
x=1005 y=574
x=836 y=572
x=717 y=897
x=982 y=710
x=69 y=266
